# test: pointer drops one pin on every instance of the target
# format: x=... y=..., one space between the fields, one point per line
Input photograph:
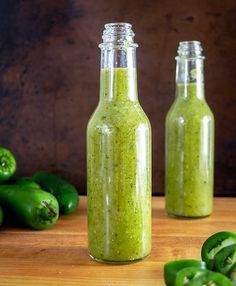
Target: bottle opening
x=118 y=25
x=118 y=35
x=190 y=49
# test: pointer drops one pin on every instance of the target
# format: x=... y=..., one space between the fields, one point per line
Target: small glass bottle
x=119 y=157
x=189 y=139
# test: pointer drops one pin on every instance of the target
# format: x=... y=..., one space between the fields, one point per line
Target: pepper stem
x=52 y=212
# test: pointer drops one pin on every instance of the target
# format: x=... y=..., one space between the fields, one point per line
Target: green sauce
x=119 y=172
x=189 y=154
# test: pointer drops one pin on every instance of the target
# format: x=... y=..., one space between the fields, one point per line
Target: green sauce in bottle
x=119 y=157
x=189 y=140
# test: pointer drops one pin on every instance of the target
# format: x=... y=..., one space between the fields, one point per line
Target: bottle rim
x=190 y=50
x=118 y=35
x=118 y=24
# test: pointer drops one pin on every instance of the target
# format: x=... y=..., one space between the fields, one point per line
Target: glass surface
x=119 y=164
x=189 y=140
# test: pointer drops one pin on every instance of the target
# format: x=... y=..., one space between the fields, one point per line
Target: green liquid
x=119 y=172
x=189 y=155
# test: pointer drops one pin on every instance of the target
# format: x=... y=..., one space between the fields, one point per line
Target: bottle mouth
x=118 y=35
x=190 y=50
x=118 y=25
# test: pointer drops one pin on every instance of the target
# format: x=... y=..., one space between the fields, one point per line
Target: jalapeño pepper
x=64 y=192
x=27 y=182
x=7 y=164
x=232 y=274
x=34 y=208
x=172 y=268
x=225 y=259
x=194 y=276
x=209 y=278
x=186 y=275
x=214 y=244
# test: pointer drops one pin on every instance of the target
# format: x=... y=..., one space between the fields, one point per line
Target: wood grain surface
x=58 y=256
x=49 y=77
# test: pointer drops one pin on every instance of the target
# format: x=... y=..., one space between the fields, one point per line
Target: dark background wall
x=49 y=77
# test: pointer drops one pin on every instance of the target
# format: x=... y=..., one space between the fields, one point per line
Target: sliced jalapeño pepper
x=214 y=244
x=225 y=259
x=172 y=268
x=209 y=278
x=186 y=275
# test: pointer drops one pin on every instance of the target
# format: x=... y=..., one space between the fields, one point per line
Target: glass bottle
x=119 y=157
x=189 y=139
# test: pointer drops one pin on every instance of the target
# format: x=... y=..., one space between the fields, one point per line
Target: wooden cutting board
x=58 y=256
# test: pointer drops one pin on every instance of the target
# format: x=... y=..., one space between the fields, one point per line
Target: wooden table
x=58 y=256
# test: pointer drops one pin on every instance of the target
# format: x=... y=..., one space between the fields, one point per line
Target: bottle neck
x=118 y=77
x=189 y=71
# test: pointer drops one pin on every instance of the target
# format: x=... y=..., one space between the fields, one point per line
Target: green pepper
x=1 y=215
x=209 y=278
x=214 y=244
x=34 y=208
x=65 y=193
x=187 y=274
x=225 y=259
x=7 y=164
x=172 y=268
x=27 y=182
x=232 y=274
x=194 y=276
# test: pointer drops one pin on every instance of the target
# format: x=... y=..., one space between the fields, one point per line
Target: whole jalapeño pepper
x=27 y=182
x=65 y=193
x=34 y=208
x=7 y=164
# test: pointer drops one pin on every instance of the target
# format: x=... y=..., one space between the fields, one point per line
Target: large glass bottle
x=119 y=157
x=189 y=139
